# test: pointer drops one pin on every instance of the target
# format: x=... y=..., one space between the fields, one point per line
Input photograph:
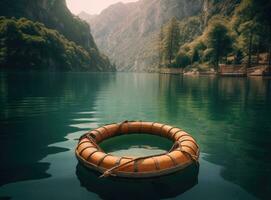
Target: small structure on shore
x=224 y=70
x=232 y=70
x=261 y=70
x=241 y=70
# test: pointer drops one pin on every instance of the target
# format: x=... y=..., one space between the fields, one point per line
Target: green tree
x=171 y=40
x=252 y=22
x=219 y=40
x=182 y=60
x=249 y=30
x=264 y=11
x=195 y=56
x=160 y=46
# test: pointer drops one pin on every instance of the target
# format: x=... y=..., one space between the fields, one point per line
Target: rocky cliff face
x=127 y=33
x=222 y=7
x=55 y=15
x=85 y=16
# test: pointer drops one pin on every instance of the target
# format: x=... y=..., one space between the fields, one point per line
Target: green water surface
x=42 y=115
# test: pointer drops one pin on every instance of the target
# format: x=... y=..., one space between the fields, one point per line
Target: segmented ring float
x=183 y=153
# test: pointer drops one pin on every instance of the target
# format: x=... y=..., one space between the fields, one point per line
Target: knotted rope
x=176 y=145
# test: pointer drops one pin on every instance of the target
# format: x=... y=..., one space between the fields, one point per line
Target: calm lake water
x=43 y=114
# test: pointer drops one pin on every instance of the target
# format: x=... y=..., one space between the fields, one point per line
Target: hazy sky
x=91 y=6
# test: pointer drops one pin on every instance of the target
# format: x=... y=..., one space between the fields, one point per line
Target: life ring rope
x=110 y=172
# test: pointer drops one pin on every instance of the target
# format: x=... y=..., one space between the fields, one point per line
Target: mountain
x=27 y=45
x=55 y=15
x=85 y=16
x=127 y=33
x=225 y=33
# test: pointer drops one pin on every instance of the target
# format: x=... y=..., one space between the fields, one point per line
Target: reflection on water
x=158 y=188
x=136 y=145
x=233 y=124
x=35 y=110
x=43 y=114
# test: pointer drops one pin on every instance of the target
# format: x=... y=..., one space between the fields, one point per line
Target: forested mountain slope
x=149 y=34
x=234 y=33
x=54 y=14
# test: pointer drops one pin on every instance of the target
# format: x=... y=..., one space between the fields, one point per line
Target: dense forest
x=30 y=45
x=45 y=35
x=240 y=36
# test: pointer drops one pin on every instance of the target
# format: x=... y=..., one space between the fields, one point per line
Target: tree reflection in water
x=230 y=118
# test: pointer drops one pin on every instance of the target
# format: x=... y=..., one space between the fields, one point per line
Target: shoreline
x=224 y=71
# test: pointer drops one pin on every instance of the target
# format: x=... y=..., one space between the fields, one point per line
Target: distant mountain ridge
x=86 y=16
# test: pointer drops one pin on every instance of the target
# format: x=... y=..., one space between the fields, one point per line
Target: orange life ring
x=184 y=152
